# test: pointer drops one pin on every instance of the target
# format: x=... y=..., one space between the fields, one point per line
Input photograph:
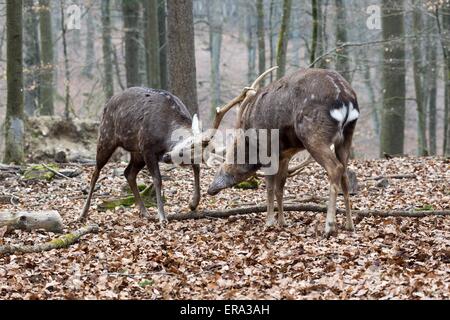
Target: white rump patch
x=353 y=114
x=345 y=111
x=339 y=114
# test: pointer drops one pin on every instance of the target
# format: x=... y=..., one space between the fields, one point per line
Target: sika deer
x=313 y=109
x=142 y=121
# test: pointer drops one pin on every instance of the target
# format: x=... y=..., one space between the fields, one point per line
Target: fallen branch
x=394 y=176
x=62 y=242
x=59 y=174
x=302 y=207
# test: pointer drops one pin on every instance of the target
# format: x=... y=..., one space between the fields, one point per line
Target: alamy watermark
x=259 y=147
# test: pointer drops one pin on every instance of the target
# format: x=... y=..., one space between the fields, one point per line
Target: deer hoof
x=330 y=229
x=193 y=206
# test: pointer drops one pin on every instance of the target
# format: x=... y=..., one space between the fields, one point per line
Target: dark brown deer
x=142 y=121
x=313 y=109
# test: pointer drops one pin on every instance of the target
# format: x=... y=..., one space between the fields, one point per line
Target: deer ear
x=196 y=125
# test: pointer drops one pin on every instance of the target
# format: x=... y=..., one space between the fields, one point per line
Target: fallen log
x=302 y=207
x=47 y=220
x=64 y=241
x=394 y=176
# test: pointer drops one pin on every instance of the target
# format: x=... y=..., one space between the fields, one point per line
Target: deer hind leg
x=327 y=159
x=271 y=218
x=343 y=153
x=103 y=156
x=196 y=198
x=280 y=181
x=134 y=167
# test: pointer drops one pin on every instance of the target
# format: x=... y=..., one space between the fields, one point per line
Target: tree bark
x=446 y=50
x=432 y=91
x=151 y=39
x=181 y=53
x=251 y=43
x=14 y=126
x=130 y=9
x=31 y=57
x=47 y=220
x=341 y=37
x=215 y=19
x=47 y=64
x=66 y=64
x=283 y=39
x=393 y=115
x=261 y=38
x=315 y=30
x=419 y=83
x=90 y=42
x=271 y=35
x=162 y=25
x=108 y=81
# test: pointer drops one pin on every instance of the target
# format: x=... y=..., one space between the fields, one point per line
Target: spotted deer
x=314 y=110
x=142 y=121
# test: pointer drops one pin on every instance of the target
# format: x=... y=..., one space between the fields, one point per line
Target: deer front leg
x=271 y=218
x=131 y=172
x=153 y=168
x=196 y=197
x=280 y=181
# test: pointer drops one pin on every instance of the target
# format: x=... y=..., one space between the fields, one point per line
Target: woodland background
x=399 y=71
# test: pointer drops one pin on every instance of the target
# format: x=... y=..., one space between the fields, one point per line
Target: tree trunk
x=108 y=81
x=90 y=41
x=393 y=118
x=181 y=52
x=151 y=39
x=31 y=57
x=66 y=64
x=162 y=43
x=432 y=90
x=315 y=30
x=272 y=36
x=261 y=38
x=215 y=19
x=283 y=38
x=321 y=37
x=14 y=127
x=446 y=50
x=341 y=37
x=419 y=82
x=130 y=9
x=47 y=63
x=251 y=43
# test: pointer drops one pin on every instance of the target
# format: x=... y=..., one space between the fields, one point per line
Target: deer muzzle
x=221 y=181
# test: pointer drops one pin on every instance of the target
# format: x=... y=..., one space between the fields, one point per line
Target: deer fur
x=142 y=121
x=313 y=109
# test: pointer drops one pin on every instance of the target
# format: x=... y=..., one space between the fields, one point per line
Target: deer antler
x=243 y=98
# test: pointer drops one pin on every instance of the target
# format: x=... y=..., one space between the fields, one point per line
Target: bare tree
x=14 y=127
x=283 y=38
x=130 y=10
x=108 y=80
x=261 y=37
x=393 y=115
x=181 y=52
x=47 y=63
x=151 y=39
x=215 y=20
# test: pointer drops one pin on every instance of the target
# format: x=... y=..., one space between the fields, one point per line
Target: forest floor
x=238 y=258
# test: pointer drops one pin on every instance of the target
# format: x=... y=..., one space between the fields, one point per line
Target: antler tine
x=251 y=93
x=261 y=77
x=243 y=98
